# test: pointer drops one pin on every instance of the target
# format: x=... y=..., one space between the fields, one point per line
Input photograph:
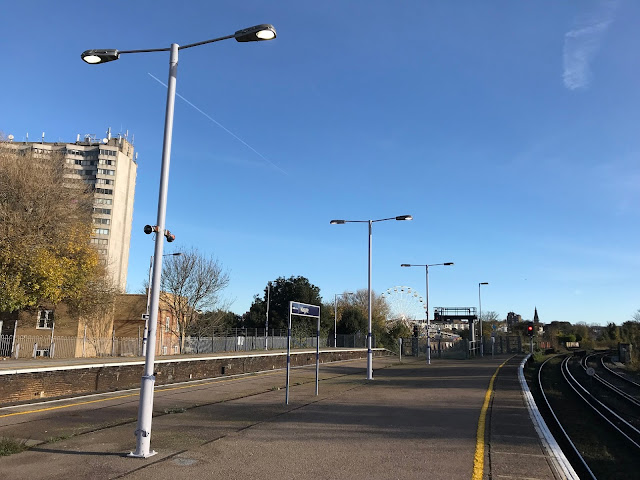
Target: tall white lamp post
x=428 y=321
x=252 y=34
x=335 y=316
x=370 y=222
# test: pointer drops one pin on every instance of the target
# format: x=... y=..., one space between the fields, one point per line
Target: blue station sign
x=305 y=310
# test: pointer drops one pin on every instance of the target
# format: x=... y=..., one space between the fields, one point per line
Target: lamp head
x=336 y=222
x=483 y=283
x=100 y=56
x=404 y=217
x=448 y=263
x=405 y=265
x=256 y=34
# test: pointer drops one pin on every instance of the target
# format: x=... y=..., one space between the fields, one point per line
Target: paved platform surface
x=514 y=448
x=412 y=421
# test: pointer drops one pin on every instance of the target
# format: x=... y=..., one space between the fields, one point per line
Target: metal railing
x=32 y=346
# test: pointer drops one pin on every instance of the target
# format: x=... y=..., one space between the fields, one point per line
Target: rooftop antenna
x=133 y=136
x=78 y=138
x=27 y=140
x=10 y=138
x=109 y=133
x=42 y=138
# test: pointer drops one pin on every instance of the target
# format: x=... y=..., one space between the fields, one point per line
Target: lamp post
x=335 y=316
x=146 y=322
x=370 y=222
x=480 y=316
x=266 y=323
x=426 y=267
x=252 y=34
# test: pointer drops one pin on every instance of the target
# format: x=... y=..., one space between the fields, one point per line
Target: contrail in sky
x=222 y=126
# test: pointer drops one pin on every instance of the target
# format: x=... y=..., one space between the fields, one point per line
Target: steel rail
x=609 y=385
x=617 y=374
x=566 y=435
x=566 y=373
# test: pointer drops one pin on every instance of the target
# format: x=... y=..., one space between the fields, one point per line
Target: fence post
x=84 y=340
x=15 y=331
x=17 y=349
x=52 y=350
x=35 y=347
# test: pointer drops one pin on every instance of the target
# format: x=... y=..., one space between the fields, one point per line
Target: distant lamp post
x=428 y=321
x=251 y=34
x=335 y=316
x=146 y=322
x=480 y=317
x=370 y=222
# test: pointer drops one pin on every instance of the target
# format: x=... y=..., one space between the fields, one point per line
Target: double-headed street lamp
x=370 y=222
x=428 y=321
x=252 y=34
x=335 y=316
x=480 y=316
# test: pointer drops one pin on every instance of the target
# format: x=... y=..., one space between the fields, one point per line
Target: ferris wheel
x=405 y=305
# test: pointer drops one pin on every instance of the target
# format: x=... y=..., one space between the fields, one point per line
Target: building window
x=104 y=211
x=176 y=349
x=102 y=221
x=104 y=201
x=106 y=191
x=45 y=318
x=101 y=231
x=167 y=324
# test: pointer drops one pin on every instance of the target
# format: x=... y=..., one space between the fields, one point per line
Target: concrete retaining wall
x=66 y=380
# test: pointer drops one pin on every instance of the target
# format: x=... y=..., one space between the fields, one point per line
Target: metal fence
x=32 y=346
x=461 y=348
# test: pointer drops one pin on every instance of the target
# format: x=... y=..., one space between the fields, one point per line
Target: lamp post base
x=135 y=455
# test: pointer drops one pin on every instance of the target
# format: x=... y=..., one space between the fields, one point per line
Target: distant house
x=53 y=331
x=128 y=322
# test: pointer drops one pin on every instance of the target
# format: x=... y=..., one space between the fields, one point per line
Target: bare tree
x=191 y=283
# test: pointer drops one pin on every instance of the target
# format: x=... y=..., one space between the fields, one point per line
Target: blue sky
x=509 y=130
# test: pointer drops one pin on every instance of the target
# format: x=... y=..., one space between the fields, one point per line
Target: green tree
x=353 y=320
x=45 y=230
x=212 y=322
x=282 y=291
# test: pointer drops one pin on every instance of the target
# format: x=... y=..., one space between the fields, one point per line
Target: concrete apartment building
x=109 y=166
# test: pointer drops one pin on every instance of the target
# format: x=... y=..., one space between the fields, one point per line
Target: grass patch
x=175 y=410
x=58 y=438
x=9 y=446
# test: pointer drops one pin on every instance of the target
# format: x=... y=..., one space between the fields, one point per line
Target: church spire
x=535 y=315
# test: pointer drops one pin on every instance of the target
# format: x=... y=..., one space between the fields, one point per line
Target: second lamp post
x=370 y=222
x=426 y=267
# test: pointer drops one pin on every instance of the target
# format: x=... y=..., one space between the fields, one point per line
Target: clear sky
x=509 y=130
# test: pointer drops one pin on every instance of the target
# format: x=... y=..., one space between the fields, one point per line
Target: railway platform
x=411 y=421
x=514 y=448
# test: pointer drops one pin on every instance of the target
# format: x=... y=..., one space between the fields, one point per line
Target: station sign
x=304 y=309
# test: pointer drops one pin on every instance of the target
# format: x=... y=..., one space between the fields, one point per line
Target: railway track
x=596 y=426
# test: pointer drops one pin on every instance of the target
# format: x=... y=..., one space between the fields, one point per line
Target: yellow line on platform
x=478 y=458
